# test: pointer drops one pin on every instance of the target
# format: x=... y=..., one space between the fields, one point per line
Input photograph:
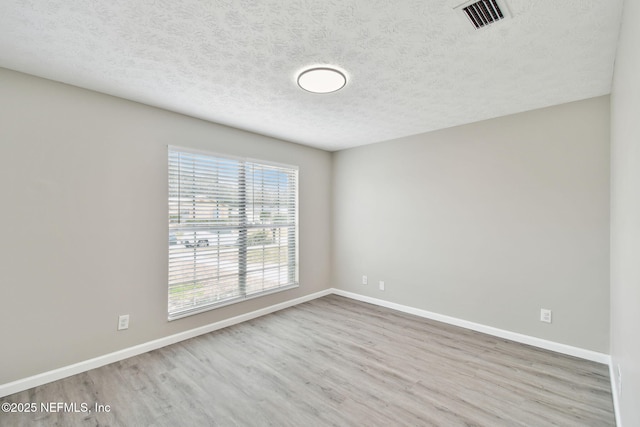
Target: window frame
x=243 y=242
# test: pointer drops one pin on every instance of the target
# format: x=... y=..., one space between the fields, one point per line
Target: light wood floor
x=334 y=361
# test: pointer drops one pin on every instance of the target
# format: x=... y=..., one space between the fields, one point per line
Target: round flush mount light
x=322 y=80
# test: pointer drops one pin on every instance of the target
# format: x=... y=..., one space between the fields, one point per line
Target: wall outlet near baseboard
x=545 y=315
x=381 y=285
x=123 y=322
x=365 y=280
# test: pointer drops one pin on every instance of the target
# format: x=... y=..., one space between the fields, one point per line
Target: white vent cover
x=482 y=13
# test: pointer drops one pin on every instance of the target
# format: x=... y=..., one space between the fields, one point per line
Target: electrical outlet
x=365 y=280
x=123 y=322
x=381 y=284
x=545 y=315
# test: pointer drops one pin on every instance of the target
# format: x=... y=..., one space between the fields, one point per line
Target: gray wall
x=625 y=215
x=503 y=217
x=487 y=222
x=83 y=179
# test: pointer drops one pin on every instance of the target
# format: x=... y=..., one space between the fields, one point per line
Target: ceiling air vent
x=483 y=13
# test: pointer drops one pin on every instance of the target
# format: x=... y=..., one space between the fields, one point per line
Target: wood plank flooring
x=333 y=362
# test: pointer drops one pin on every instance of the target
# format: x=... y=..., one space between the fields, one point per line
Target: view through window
x=232 y=230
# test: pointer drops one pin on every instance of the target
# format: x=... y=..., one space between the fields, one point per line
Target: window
x=232 y=230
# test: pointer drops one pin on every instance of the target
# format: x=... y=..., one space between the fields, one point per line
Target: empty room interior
x=293 y=212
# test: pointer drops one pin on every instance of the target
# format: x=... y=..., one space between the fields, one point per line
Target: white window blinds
x=232 y=230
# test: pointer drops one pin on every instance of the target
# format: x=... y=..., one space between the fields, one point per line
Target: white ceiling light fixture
x=322 y=80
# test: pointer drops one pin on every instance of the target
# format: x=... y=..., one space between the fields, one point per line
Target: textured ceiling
x=413 y=65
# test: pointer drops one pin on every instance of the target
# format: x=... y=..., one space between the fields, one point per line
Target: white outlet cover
x=545 y=315
x=364 y=280
x=381 y=285
x=123 y=322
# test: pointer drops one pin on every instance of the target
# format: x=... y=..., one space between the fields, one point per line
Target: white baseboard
x=76 y=368
x=513 y=336
x=66 y=371
x=614 y=392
